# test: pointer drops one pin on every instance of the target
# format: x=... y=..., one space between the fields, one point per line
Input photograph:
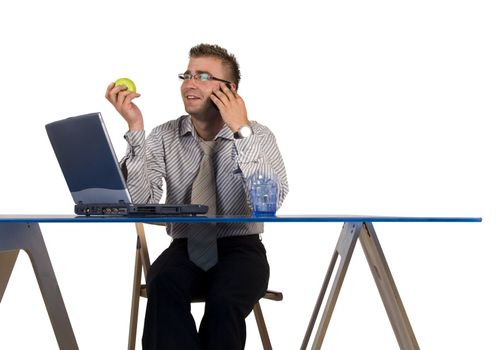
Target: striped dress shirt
x=172 y=152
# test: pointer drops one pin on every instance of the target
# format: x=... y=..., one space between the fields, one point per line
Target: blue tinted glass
x=204 y=76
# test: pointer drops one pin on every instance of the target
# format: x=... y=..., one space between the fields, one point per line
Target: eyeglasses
x=201 y=77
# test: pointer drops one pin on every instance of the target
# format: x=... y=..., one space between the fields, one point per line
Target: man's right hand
x=122 y=100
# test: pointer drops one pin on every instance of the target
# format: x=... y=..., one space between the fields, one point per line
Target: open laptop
x=92 y=172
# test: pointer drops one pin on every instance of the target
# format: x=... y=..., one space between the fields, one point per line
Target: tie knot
x=208 y=147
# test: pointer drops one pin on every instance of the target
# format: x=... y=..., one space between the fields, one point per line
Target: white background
x=379 y=107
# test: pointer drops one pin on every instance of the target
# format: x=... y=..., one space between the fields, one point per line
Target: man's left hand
x=231 y=107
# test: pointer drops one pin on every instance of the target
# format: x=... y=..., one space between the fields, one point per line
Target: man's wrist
x=243 y=132
x=234 y=125
x=136 y=126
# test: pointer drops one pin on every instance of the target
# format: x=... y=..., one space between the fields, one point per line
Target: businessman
x=206 y=157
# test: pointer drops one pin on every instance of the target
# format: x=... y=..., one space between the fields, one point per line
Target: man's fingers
x=228 y=92
x=221 y=96
x=108 y=93
x=109 y=88
x=120 y=97
x=114 y=93
x=218 y=102
x=130 y=97
x=125 y=97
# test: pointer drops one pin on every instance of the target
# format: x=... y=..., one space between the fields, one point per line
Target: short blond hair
x=228 y=59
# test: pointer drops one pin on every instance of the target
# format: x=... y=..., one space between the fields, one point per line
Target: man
x=232 y=271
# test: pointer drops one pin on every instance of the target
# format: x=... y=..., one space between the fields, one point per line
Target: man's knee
x=167 y=286
x=228 y=306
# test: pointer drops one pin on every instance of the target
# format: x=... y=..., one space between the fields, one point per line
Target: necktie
x=202 y=238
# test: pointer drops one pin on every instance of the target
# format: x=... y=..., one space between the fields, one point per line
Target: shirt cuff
x=247 y=149
x=136 y=142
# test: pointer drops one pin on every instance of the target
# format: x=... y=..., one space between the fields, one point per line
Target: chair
x=142 y=263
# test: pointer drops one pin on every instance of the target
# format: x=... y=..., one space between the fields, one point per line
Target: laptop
x=92 y=172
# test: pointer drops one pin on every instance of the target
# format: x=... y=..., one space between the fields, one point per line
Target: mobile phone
x=229 y=86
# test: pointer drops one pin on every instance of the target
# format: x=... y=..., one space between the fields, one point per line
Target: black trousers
x=231 y=289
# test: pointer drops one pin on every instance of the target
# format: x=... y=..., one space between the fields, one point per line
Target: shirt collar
x=187 y=128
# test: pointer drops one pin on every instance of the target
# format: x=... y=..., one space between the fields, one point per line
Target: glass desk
x=23 y=232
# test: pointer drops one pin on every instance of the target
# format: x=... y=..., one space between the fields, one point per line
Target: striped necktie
x=202 y=238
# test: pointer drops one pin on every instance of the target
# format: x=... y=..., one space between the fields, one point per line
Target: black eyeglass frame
x=196 y=76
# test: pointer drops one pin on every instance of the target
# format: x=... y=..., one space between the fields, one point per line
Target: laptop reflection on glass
x=92 y=172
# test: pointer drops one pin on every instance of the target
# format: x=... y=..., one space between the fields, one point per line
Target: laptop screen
x=87 y=159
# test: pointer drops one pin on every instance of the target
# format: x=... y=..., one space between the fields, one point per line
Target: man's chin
x=201 y=112
x=194 y=108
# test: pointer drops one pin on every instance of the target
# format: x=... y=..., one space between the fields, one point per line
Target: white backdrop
x=379 y=107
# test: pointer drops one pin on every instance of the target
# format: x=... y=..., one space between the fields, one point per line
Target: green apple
x=127 y=83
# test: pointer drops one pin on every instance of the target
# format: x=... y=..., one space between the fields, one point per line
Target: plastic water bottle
x=263 y=195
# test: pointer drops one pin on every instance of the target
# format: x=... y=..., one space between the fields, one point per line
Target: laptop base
x=123 y=209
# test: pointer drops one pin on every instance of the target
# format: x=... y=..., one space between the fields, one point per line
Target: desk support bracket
x=16 y=236
x=350 y=233
x=8 y=259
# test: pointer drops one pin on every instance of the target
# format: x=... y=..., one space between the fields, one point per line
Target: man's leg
x=172 y=282
x=234 y=285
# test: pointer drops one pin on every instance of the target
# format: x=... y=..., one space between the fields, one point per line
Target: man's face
x=196 y=93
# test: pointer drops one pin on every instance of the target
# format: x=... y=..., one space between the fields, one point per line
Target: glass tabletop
x=40 y=218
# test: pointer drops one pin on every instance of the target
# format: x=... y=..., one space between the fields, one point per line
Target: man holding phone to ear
x=205 y=157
